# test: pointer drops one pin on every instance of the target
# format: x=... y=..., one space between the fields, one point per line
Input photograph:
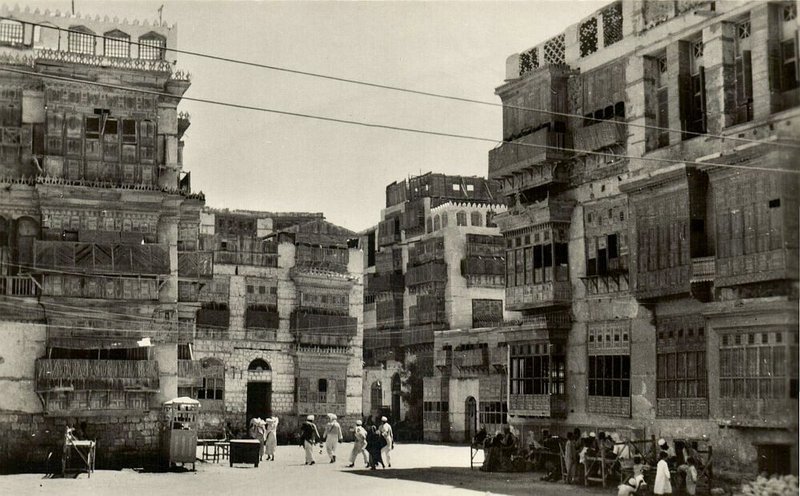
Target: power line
x=413 y=91
x=391 y=127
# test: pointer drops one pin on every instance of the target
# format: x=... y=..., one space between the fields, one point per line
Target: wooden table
x=210 y=449
x=244 y=451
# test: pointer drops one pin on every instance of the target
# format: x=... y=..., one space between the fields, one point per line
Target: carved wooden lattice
x=612 y=24
x=588 y=37
x=554 y=50
x=528 y=61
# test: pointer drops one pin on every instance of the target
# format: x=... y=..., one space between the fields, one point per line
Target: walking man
x=360 y=445
x=309 y=436
x=388 y=435
x=333 y=436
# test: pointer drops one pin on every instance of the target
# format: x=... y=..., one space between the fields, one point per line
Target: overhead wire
x=395 y=128
x=584 y=118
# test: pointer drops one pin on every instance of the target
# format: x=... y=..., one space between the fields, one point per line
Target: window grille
x=11 y=32
x=612 y=24
x=588 y=37
x=554 y=50
x=790 y=12
x=117 y=44
x=151 y=48
x=81 y=40
x=528 y=61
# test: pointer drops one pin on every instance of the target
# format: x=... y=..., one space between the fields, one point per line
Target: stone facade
x=271 y=271
x=648 y=246
x=432 y=263
x=95 y=204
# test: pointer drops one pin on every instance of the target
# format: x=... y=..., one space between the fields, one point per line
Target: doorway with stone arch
x=470 y=419
x=259 y=389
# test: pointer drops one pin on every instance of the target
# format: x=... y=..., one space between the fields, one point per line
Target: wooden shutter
x=774 y=55
x=747 y=72
x=685 y=100
x=703 y=116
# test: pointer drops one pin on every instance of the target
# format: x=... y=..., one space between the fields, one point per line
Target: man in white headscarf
x=333 y=435
x=388 y=436
x=360 y=445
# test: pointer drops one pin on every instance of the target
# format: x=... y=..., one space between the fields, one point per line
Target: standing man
x=360 y=445
x=333 y=436
x=388 y=435
x=309 y=436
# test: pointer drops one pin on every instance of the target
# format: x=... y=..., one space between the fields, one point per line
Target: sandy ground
x=417 y=469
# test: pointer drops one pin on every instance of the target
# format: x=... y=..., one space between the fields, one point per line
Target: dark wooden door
x=259 y=400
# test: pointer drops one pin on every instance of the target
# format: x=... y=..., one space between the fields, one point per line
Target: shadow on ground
x=512 y=484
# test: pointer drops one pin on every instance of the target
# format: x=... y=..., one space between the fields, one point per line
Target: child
x=638 y=466
x=691 y=477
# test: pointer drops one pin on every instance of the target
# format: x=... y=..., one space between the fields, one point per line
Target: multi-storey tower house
x=98 y=223
x=652 y=231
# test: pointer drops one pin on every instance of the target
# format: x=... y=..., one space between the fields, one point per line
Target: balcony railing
x=538 y=405
x=466 y=359
x=418 y=335
x=258 y=259
x=535 y=213
x=96 y=258
x=703 y=269
x=601 y=135
x=96 y=375
x=19 y=286
x=429 y=272
x=110 y=288
x=539 y=295
x=538 y=147
x=50 y=55
x=196 y=264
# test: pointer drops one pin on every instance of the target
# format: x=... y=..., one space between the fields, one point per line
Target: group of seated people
x=584 y=455
x=499 y=449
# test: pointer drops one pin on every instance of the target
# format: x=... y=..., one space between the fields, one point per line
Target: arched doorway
x=470 y=418
x=396 y=389
x=259 y=389
x=27 y=231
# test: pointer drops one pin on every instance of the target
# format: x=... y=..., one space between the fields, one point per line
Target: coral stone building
x=94 y=206
x=278 y=326
x=432 y=264
x=652 y=230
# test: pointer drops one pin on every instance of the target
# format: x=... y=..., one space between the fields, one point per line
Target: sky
x=252 y=160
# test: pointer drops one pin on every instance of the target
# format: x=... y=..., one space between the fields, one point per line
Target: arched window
x=430 y=225
x=437 y=223
x=258 y=365
x=461 y=218
x=476 y=219
x=81 y=40
x=322 y=390
x=376 y=396
x=27 y=231
x=444 y=220
x=117 y=44
x=11 y=32
x=152 y=46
